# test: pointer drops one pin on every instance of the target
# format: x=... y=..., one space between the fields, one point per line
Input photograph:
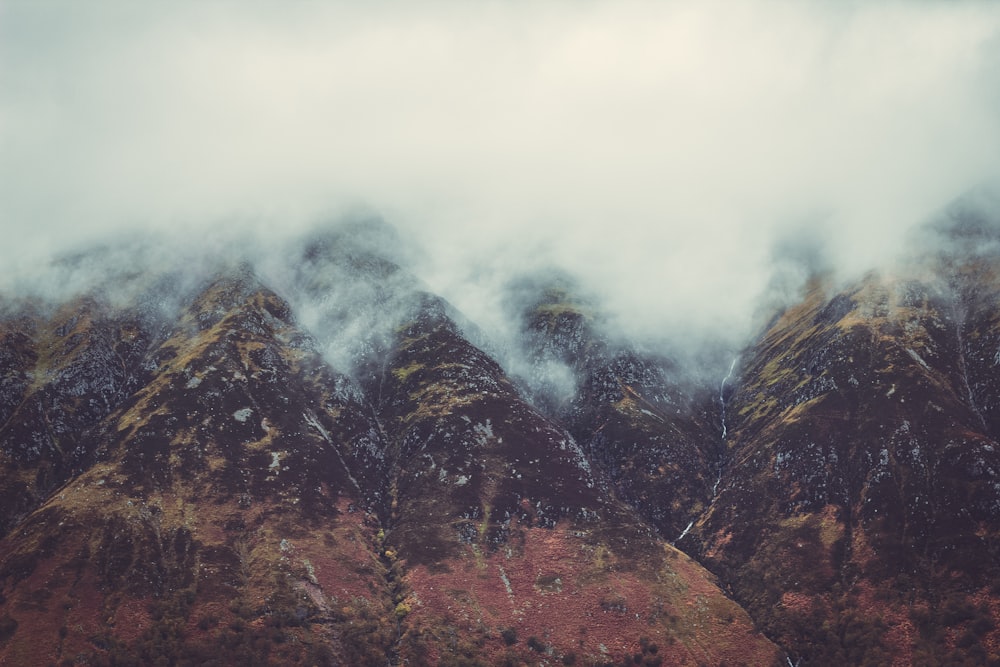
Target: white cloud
x=658 y=149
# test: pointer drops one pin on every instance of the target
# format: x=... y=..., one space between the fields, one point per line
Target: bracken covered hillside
x=321 y=465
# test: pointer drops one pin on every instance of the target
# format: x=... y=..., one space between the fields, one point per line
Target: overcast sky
x=660 y=150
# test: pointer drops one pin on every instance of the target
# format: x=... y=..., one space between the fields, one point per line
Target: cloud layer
x=660 y=151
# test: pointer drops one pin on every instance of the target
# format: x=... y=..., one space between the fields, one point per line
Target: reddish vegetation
x=797 y=603
x=898 y=633
x=577 y=599
x=344 y=561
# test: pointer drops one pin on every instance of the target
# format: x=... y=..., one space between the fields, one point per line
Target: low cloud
x=659 y=152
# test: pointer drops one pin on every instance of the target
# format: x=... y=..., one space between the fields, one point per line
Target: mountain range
x=327 y=464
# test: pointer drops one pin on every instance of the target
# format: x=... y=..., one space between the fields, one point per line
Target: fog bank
x=665 y=154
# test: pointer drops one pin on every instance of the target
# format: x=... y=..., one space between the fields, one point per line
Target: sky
x=671 y=155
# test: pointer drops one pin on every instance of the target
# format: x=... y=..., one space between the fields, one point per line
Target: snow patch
x=722 y=397
x=484 y=431
x=193 y=382
x=242 y=415
x=310 y=572
x=506 y=581
x=312 y=421
x=315 y=423
x=916 y=358
x=684 y=532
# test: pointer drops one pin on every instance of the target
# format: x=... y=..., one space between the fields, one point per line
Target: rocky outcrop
x=224 y=512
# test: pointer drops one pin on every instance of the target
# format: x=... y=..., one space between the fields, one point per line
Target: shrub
x=535 y=644
x=509 y=636
x=208 y=622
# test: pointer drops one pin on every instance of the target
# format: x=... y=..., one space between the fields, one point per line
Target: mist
x=678 y=161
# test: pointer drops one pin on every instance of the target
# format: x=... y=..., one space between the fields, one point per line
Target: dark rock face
x=649 y=436
x=213 y=513
x=450 y=409
x=859 y=499
x=63 y=373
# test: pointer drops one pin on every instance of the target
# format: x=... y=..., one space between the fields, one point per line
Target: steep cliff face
x=857 y=514
x=213 y=515
x=506 y=541
x=64 y=370
x=635 y=414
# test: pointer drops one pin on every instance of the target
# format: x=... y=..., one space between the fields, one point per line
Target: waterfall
x=722 y=395
x=725 y=431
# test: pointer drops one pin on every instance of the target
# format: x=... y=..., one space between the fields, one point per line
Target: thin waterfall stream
x=725 y=430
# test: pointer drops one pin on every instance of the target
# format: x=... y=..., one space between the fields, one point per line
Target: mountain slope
x=217 y=517
x=857 y=517
x=63 y=371
x=502 y=532
x=633 y=412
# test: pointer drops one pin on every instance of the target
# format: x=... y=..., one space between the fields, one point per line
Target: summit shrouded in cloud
x=442 y=333
x=659 y=151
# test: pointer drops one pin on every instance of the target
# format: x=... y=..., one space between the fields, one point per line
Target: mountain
x=313 y=459
x=202 y=487
x=857 y=518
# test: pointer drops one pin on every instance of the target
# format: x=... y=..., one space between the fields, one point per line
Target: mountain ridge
x=187 y=479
